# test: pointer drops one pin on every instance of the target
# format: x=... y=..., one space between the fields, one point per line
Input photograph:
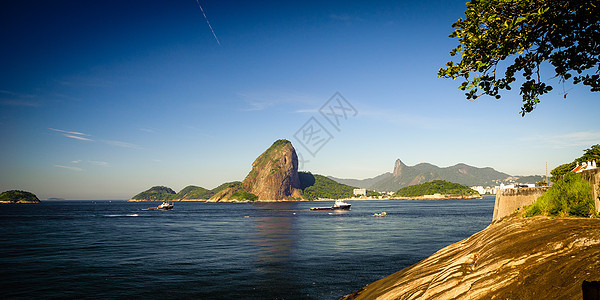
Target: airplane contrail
x=207 y=22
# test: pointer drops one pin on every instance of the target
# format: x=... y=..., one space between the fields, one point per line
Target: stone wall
x=593 y=177
x=508 y=200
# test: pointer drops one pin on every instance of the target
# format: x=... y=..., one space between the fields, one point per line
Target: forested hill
x=316 y=186
x=436 y=187
x=190 y=192
x=16 y=196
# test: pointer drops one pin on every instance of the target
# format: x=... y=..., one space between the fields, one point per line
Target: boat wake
x=127 y=215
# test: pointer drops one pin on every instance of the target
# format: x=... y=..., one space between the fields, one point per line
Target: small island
x=436 y=190
x=16 y=196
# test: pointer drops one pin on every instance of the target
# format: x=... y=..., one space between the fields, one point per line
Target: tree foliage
x=563 y=33
x=591 y=154
x=435 y=187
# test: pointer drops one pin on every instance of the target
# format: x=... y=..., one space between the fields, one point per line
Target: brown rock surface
x=514 y=258
x=224 y=195
x=274 y=174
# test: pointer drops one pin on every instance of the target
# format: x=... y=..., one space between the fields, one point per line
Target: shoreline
x=420 y=198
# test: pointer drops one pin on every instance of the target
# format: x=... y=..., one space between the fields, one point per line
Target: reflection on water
x=275 y=238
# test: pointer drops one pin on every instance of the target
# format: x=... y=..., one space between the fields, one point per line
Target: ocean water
x=115 y=249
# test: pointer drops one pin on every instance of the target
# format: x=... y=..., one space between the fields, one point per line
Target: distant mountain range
x=404 y=175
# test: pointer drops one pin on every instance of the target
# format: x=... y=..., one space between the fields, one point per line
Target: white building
x=479 y=189
x=360 y=192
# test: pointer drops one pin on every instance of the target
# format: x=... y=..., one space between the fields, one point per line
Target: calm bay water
x=102 y=249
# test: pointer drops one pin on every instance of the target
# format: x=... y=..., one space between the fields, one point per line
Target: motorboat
x=165 y=206
x=338 y=205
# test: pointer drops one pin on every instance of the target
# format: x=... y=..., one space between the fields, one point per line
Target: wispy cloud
x=77 y=137
x=85 y=137
x=72 y=134
x=69 y=168
x=76 y=161
x=98 y=163
x=8 y=98
x=121 y=144
x=147 y=130
x=580 y=138
x=69 y=132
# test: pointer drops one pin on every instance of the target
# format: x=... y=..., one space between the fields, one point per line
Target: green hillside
x=163 y=193
x=435 y=187
x=193 y=192
x=156 y=193
x=16 y=196
x=317 y=186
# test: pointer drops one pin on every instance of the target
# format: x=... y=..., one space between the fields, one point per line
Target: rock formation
x=514 y=258
x=398 y=166
x=274 y=174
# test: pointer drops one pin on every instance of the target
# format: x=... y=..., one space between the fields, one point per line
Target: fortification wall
x=593 y=177
x=508 y=200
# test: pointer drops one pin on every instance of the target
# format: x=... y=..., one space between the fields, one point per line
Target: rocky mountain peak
x=398 y=167
x=274 y=174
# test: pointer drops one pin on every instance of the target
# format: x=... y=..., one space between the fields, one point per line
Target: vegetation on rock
x=17 y=196
x=318 y=186
x=560 y=33
x=591 y=154
x=156 y=193
x=193 y=192
x=243 y=195
x=232 y=191
x=436 y=187
x=569 y=196
x=190 y=192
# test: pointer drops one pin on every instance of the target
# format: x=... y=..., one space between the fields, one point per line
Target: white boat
x=165 y=206
x=340 y=204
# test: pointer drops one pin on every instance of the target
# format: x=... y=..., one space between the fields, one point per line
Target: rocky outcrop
x=398 y=166
x=226 y=194
x=515 y=258
x=274 y=174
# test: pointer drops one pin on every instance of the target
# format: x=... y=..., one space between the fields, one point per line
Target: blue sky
x=103 y=99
